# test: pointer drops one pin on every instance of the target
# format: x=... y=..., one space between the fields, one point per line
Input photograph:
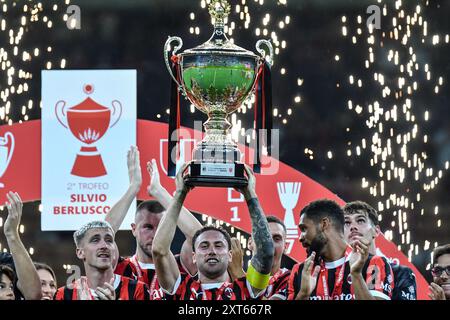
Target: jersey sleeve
x=125 y=268
x=142 y=292
x=179 y=288
x=293 y=285
x=405 y=284
x=379 y=278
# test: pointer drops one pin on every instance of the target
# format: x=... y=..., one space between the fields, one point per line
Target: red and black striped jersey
x=182 y=268
x=125 y=288
x=146 y=273
x=334 y=281
x=129 y=267
x=278 y=285
x=125 y=268
x=187 y=288
x=158 y=292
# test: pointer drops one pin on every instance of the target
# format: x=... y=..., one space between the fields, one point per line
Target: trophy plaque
x=216 y=77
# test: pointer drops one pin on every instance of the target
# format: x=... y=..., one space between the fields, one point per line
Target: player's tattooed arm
x=263 y=257
x=258 y=273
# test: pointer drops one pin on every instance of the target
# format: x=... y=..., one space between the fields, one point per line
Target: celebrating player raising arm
x=147 y=219
x=28 y=282
x=361 y=223
x=212 y=254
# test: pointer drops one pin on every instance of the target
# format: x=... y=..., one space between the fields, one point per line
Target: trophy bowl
x=217 y=77
x=218 y=81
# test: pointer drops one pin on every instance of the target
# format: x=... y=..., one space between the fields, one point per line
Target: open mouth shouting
x=104 y=255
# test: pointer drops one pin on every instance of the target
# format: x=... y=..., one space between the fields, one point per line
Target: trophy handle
x=11 y=149
x=262 y=52
x=167 y=60
x=59 y=111
x=117 y=112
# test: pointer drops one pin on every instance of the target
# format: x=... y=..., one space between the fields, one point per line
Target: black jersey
x=405 y=287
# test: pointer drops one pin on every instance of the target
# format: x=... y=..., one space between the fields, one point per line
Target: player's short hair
x=79 y=235
x=319 y=209
x=43 y=266
x=440 y=251
x=7 y=271
x=211 y=228
x=152 y=206
x=358 y=206
x=274 y=219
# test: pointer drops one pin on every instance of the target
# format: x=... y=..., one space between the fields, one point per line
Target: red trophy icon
x=88 y=122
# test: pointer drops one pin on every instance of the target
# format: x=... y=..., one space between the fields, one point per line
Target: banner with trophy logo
x=20 y=161
x=88 y=122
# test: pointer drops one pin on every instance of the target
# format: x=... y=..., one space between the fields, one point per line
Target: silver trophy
x=216 y=77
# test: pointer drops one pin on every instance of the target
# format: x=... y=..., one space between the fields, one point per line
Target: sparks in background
x=21 y=23
x=254 y=16
x=395 y=119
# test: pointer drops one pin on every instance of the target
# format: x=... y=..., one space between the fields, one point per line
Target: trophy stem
x=217 y=146
x=217 y=128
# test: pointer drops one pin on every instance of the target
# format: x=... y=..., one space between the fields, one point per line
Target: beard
x=317 y=245
x=146 y=249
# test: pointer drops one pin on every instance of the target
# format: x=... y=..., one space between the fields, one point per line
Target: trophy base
x=216 y=175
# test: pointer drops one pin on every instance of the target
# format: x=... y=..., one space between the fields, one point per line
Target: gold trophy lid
x=219 y=43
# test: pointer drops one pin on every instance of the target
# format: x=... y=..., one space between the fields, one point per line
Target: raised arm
x=258 y=273
x=28 y=279
x=119 y=211
x=165 y=263
x=187 y=223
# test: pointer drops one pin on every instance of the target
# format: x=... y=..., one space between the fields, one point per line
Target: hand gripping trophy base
x=196 y=179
